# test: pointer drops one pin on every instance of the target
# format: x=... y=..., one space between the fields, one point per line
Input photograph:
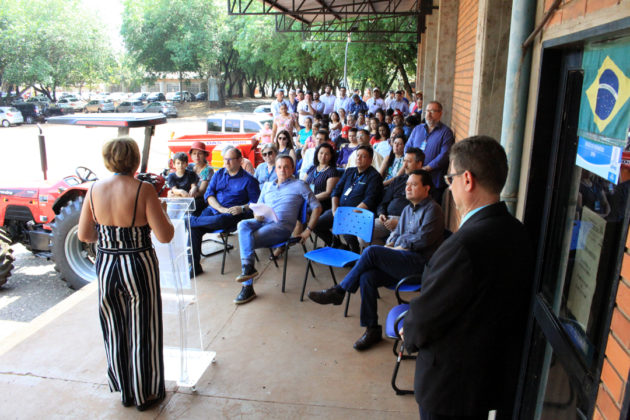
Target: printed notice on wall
x=584 y=278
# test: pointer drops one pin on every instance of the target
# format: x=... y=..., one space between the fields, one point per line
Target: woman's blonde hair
x=121 y=155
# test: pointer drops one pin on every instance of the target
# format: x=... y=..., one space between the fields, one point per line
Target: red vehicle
x=215 y=144
x=45 y=218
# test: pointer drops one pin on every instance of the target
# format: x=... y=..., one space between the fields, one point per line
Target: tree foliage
x=51 y=43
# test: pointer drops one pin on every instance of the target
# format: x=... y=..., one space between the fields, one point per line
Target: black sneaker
x=248 y=272
x=247 y=294
x=333 y=295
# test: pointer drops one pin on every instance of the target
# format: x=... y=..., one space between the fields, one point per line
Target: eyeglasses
x=448 y=178
x=267 y=153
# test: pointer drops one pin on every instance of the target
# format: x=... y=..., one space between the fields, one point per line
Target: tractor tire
x=6 y=256
x=73 y=259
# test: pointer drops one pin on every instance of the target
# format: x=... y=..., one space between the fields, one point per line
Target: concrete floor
x=277 y=357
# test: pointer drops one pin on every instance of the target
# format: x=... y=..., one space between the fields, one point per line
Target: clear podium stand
x=184 y=357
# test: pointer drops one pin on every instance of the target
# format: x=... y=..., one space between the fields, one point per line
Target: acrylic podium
x=185 y=360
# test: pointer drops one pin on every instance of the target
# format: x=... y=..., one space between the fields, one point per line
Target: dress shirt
x=286 y=200
x=419 y=228
x=342 y=102
x=394 y=197
x=355 y=108
x=264 y=174
x=377 y=160
x=354 y=188
x=318 y=106
x=275 y=106
x=307 y=161
x=344 y=154
x=230 y=191
x=329 y=102
x=400 y=105
x=436 y=146
x=471 y=214
x=374 y=104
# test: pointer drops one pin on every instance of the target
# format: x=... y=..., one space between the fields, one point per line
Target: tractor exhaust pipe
x=42 y=152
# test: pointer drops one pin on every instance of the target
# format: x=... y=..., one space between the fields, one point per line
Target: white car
x=71 y=101
x=10 y=116
x=237 y=122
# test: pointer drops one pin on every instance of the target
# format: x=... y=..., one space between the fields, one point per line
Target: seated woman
x=393 y=166
x=199 y=156
x=323 y=176
x=306 y=132
x=284 y=144
x=382 y=134
x=334 y=127
x=119 y=214
x=373 y=128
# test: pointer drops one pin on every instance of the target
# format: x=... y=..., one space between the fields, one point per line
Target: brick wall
x=571 y=9
x=616 y=366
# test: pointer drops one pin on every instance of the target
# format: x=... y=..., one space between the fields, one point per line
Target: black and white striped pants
x=130 y=309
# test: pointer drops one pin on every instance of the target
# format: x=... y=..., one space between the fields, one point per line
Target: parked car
x=165 y=108
x=156 y=96
x=10 y=115
x=130 y=106
x=140 y=96
x=38 y=98
x=236 y=122
x=181 y=96
x=263 y=109
x=99 y=105
x=31 y=112
x=201 y=96
x=71 y=101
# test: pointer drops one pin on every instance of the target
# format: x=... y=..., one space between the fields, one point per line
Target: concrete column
x=446 y=43
x=430 y=56
x=419 y=66
x=493 y=35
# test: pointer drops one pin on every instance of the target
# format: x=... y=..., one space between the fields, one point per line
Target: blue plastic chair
x=288 y=243
x=347 y=221
x=393 y=324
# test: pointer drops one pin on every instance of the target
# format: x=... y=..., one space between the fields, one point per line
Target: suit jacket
x=469 y=321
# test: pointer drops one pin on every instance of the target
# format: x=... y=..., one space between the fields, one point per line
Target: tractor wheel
x=73 y=259
x=6 y=256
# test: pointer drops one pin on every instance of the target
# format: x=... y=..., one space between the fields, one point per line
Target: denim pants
x=253 y=234
x=379 y=266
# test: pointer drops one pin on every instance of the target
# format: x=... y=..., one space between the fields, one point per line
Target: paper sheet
x=265 y=211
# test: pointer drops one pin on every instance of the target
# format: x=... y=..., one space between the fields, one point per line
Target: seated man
x=230 y=189
x=395 y=198
x=361 y=186
x=416 y=237
x=285 y=196
x=363 y=138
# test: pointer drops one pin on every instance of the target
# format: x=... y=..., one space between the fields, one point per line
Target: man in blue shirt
x=228 y=193
x=266 y=171
x=416 y=237
x=280 y=99
x=285 y=197
x=399 y=103
x=435 y=139
x=360 y=186
x=357 y=105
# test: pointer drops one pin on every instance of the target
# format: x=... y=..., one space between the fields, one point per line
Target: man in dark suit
x=468 y=323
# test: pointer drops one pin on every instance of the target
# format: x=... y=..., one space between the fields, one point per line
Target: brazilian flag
x=605 y=104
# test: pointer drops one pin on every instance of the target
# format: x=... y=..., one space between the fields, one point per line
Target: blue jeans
x=253 y=234
x=379 y=266
x=208 y=222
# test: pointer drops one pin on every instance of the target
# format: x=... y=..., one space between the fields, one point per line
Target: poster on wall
x=604 y=108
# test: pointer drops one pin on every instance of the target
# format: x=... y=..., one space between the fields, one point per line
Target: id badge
x=348 y=191
x=312 y=187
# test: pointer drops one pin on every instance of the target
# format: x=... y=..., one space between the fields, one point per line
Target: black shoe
x=195 y=272
x=248 y=272
x=333 y=295
x=371 y=336
x=150 y=404
x=247 y=294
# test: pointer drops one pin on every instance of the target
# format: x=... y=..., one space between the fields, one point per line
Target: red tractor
x=45 y=218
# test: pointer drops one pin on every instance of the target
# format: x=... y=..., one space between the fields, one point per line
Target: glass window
x=214 y=125
x=251 y=126
x=232 y=126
